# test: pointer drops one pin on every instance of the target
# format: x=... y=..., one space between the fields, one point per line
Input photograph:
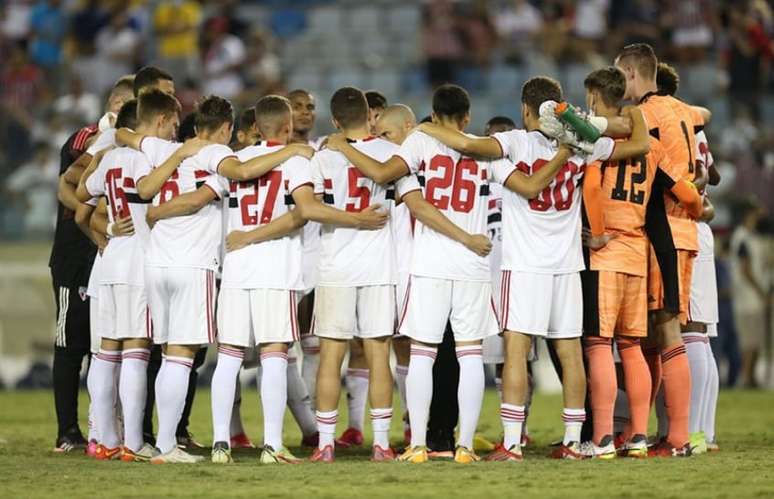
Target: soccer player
x=458 y=286
x=670 y=271
x=246 y=131
x=542 y=252
x=257 y=303
x=377 y=103
x=616 y=196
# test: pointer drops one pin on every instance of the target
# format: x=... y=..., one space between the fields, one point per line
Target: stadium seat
x=404 y=19
x=367 y=18
x=344 y=77
x=572 y=83
x=504 y=80
x=325 y=20
x=287 y=23
x=387 y=81
x=305 y=79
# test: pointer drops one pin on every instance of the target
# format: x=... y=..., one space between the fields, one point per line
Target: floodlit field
x=744 y=467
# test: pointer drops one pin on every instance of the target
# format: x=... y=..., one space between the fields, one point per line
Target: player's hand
x=102 y=243
x=372 y=219
x=336 y=141
x=123 y=227
x=192 y=146
x=237 y=239
x=596 y=242
x=151 y=217
x=479 y=244
x=303 y=150
x=565 y=152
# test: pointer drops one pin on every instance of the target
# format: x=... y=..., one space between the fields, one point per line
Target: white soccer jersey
x=105 y=139
x=191 y=240
x=459 y=187
x=353 y=257
x=704 y=232
x=494 y=222
x=116 y=178
x=543 y=235
x=275 y=264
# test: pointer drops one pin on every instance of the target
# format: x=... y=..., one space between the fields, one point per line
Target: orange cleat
x=500 y=453
x=571 y=451
x=324 y=455
x=352 y=437
x=381 y=455
x=242 y=441
x=106 y=453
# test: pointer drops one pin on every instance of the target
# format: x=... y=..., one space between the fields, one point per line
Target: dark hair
x=127 y=116
x=187 y=128
x=349 y=107
x=299 y=91
x=213 y=112
x=451 y=101
x=375 y=99
x=667 y=79
x=124 y=83
x=246 y=119
x=153 y=102
x=426 y=119
x=501 y=121
x=271 y=112
x=610 y=82
x=641 y=56
x=148 y=76
x=539 y=89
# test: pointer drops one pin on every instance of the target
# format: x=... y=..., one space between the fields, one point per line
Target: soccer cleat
x=713 y=447
x=106 y=453
x=221 y=453
x=241 y=441
x=70 y=442
x=570 y=451
x=698 y=443
x=91 y=448
x=186 y=441
x=279 y=456
x=380 y=455
x=463 y=455
x=143 y=455
x=500 y=453
x=480 y=443
x=636 y=447
x=352 y=437
x=619 y=440
x=176 y=456
x=525 y=440
x=415 y=455
x=665 y=449
x=606 y=449
x=324 y=455
x=312 y=440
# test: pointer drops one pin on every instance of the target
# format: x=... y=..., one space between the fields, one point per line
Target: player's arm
x=619 y=127
x=638 y=143
x=130 y=138
x=66 y=193
x=484 y=147
x=594 y=237
x=430 y=216
x=185 y=204
x=311 y=209
x=275 y=229
x=381 y=173
x=708 y=211
x=234 y=169
x=150 y=185
x=705 y=113
x=689 y=197
x=82 y=192
x=83 y=217
x=529 y=186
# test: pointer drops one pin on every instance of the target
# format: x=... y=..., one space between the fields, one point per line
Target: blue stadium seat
x=368 y=18
x=287 y=23
x=386 y=81
x=343 y=77
x=504 y=80
x=325 y=20
x=404 y=19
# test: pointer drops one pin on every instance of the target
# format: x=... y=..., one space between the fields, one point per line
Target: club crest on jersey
x=82 y=293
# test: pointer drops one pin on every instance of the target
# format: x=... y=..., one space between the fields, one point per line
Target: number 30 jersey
x=543 y=235
x=458 y=186
x=275 y=264
x=354 y=257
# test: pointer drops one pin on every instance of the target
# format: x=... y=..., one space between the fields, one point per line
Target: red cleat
x=619 y=441
x=571 y=452
x=323 y=455
x=500 y=453
x=241 y=441
x=106 y=454
x=381 y=455
x=352 y=437
x=310 y=441
x=665 y=449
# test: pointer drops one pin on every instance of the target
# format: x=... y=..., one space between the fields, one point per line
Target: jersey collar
x=270 y=143
x=353 y=141
x=647 y=96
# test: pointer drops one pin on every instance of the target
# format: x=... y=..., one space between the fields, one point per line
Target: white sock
x=106 y=366
x=171 y=389
x=621 y=412
x=499 y=388
x=132 y=389
x=661 y=414
x=697 y=361
x=235 y=426
x=512 y=417
x=356 y=381
x=299 y=401
x=711 y=397
x=223 y=392
x=573 y=422
x=419 y=391
x=470 y=391
x=326 y=425
x=91 y=386
x=380 y=421
x=400 y=382
x=310 y=346
x=274 y=396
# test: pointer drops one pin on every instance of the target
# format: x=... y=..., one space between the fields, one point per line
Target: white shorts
x=432 y=302
x=354 y=312
x=182 y=304
x=704 y=293
x=94 y=334
x=248 y=317
x=400 y=296
x=544 y=305
x=494 y=350
x=123 y=312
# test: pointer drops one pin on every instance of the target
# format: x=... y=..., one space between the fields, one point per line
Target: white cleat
x=590 y=450
x=176 y=455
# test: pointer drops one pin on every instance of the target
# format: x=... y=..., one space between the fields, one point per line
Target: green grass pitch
x=743 y=468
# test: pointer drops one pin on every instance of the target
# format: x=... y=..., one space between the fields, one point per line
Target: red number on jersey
x=461 y=185
x=358 y=193
x=119 y=205
x=553 y=194
x=170 y=190
x=272 y=180
x=454 y=177
x=446 y=164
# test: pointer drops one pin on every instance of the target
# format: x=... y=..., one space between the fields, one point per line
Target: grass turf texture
x=743 y=468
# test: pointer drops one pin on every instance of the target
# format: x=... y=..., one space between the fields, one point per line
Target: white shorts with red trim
x=182 y=304
x=546 y=305
x=704 y=292
x=248 y=317
x=354 y=312
x=432 y=302
x=122 y=312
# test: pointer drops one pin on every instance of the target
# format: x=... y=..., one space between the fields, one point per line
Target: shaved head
x=395 y=123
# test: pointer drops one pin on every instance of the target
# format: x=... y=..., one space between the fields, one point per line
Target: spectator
x=34 y=185
x=441 y=43
x=726 y=345
x=177 y=25
x=636 y=21
x=22 y=83
x=589 y=29
x=48 y=31
x=478 y=33
x=693 y=24
x=118 y=46
x=224 y=55
x=518 y=27
x=15 y=19
x=262 y=66
x=78 y=106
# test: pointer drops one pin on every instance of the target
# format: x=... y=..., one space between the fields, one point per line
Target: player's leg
x=106 y=367
x=310 y=344
x=694 y=336
x=356 y=383
x=713 y=385
x=184 y=437
x=402 y=348
x=300 y=402
x=91 y=379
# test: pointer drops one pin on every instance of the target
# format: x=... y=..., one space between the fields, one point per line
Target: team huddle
x=584 y=232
